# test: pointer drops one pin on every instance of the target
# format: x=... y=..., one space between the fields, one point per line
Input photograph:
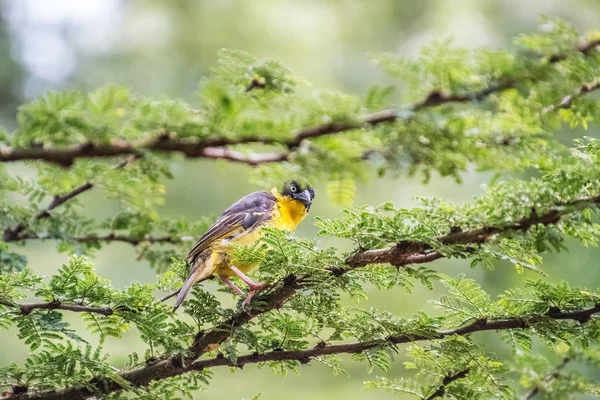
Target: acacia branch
x=441 y=390
x=208 y=148
x=404 y=253
x=567 y=101
x=547 y=380
x=12 y=234
x=584 y=48
x=410 y=252
x=27 y=308
x=142 y=376
x=281 y=292
x=253 y=159
x=501 y=324
x=216 y=148
x=111 y=237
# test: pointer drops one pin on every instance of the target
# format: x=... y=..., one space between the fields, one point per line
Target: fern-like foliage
x=504 y=111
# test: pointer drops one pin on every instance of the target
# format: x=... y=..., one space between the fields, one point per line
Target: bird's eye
x=293 y=189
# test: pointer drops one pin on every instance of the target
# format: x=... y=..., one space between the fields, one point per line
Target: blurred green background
x=164 y=48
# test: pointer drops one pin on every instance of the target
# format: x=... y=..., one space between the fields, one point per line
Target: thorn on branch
x=434 y=97
x=506 y=140
x=556 y=58
x=533 y=214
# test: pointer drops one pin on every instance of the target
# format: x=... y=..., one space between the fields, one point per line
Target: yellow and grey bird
x=242 y=224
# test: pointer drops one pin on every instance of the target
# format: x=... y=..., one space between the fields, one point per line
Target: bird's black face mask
x=294 y=190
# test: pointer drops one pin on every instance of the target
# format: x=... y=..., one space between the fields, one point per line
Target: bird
x=242 y=224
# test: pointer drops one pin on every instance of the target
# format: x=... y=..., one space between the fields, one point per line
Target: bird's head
x=295 y=191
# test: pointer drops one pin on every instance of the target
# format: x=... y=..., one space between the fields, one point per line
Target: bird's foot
x=254 y=288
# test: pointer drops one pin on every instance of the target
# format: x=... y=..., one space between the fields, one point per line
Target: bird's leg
x=247 y=280
x=228 y=282
x=254 y=287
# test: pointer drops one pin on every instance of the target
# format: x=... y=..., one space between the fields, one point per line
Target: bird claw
x=255 y=288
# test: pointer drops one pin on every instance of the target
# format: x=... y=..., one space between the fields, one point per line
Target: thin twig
x=12 y=234
x=111 y=237
x=540 y=387
x=441 y=390
x=567 y=101
x=27 y=308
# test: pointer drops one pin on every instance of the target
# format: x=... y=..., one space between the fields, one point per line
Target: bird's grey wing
x=245 y=213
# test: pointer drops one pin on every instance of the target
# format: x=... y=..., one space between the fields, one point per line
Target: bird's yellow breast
x=287 y=214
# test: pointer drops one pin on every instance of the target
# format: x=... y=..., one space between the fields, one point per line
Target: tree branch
x=12 y=234
x=254 y=159
x=547 y=380
x=216 y=148
x=111 y=237
x=441 y=391
x=584 y=48
x=409 y=252
x=26 y=309
x=142 y=376
x=567 y=101
x=588 y=47
x=501 y=324
x=208 y=148
x=403 y=254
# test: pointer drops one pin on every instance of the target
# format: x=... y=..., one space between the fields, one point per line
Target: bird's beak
x=304 y=196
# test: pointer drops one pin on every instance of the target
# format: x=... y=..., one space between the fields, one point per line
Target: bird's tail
x=200 y=274
x=183 y=292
